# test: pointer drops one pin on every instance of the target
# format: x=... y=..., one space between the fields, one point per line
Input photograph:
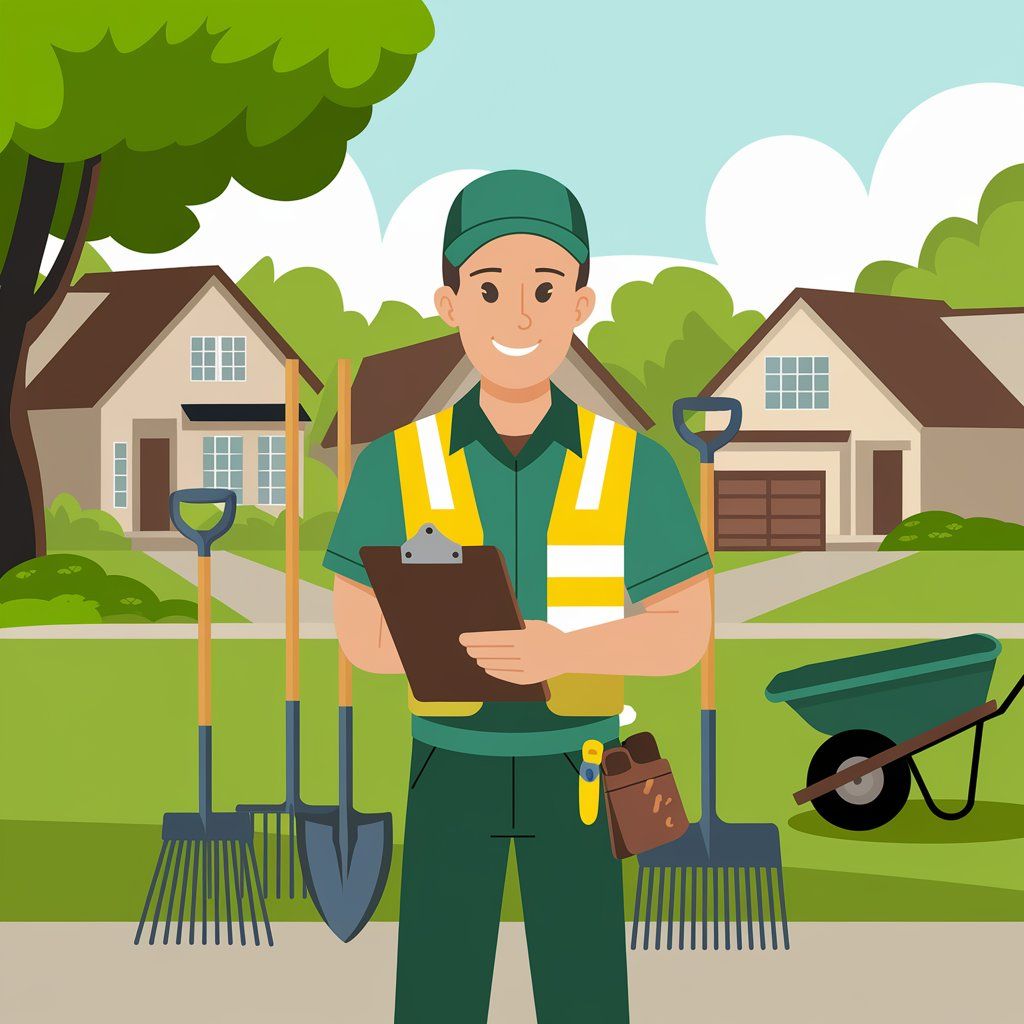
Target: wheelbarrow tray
x=900 y=693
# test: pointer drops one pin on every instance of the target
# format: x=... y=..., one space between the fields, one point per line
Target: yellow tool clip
x=590 y=781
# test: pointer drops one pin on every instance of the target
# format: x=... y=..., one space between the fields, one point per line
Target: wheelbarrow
x=881 y=709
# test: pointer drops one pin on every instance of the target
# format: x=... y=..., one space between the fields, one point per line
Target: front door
x=154 y=483
x=887 y=491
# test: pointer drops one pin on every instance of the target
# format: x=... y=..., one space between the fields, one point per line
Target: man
x=585 y=512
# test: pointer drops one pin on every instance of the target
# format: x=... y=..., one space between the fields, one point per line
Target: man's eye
x=543 y=292
x=489 y=291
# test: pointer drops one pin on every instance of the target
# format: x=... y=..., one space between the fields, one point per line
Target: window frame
x=215 y=470
x=813 y=380
x=115 y=491
x=238 y=361
x=270 y=486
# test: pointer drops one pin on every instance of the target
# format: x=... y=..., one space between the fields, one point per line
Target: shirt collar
x=560 y=424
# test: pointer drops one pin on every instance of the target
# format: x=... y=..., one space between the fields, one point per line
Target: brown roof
x=782 y=436
x=905 y=344
x=138 y=307
x=392 y=388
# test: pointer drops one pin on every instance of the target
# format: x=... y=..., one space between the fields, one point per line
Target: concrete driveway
x=843 y=973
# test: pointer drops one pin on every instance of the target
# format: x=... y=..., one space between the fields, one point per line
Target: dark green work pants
x=463 y=811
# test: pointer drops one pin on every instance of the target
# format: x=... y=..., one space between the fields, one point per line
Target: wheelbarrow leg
x=972 y=787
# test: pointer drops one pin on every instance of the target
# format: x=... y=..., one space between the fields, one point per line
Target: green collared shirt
x=514 y=496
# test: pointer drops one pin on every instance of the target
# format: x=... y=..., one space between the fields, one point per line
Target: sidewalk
x=843 y=973
x=253 y=590
x=743 y=594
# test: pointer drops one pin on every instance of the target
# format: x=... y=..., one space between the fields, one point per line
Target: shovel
x=345 y=854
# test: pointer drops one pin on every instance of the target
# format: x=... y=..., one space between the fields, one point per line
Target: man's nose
x=525 y=320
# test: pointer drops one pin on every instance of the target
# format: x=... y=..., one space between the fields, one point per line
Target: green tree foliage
x=666 y=340
x=116 y=118
x=966 y=263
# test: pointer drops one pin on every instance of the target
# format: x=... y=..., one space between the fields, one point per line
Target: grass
x=164 y=582
x=726 y=560
x=310 y=567
x=930 y=586
x=97 y=740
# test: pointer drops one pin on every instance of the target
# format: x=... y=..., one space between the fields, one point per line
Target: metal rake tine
x=704 y=907
x=216 y=895
x=243 y=853
x=149 y=894
x=671 y=904
x=206 y=882
x=693 y=907
x=277 y=839
x=291 y=856
x=782 y=911
x=725 y=896
x=647 y=914
x=266 y=855
x=771 y=906
x=661 y=907
x=714 y=905
x=171 y=894
x=195 y=889
x=263 y=905
x=160 y=893
x=227 y=889
x=739 y=908
x=184 y=892
x=682 y=905
x=636 y=906
x=238 y=891
x=750 y=911
x=760 y=906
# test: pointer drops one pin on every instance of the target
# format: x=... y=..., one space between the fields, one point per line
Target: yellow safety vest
x=585 y=539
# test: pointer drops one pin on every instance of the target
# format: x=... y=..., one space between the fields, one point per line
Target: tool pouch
x=641 y=799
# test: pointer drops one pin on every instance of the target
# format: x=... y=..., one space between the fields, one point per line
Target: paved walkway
x=253 y=590
x=842 y=973
x=743 y=594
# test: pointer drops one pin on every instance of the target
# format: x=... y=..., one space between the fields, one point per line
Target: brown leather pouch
x=640 y=797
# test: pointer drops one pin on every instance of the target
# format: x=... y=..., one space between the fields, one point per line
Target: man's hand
x=522 y=656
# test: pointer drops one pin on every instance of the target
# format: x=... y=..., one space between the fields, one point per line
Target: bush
x=51 y=576
x=72 y=528
x=945 y=531
x=68 y=608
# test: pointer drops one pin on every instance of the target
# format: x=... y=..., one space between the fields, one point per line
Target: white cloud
x=783 y=212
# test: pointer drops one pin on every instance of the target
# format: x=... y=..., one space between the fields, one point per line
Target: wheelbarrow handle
x=707 y=448
x=203 y=539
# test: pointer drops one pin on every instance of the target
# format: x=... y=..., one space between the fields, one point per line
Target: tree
x=966 y=263
x=115 y=121
x=666 y=340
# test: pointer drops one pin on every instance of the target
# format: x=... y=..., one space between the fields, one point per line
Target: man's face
x=516 y=309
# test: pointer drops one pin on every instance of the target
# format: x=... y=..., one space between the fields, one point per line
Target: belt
x=513 y=744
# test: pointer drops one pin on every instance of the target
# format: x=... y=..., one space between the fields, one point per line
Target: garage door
x=769 y=511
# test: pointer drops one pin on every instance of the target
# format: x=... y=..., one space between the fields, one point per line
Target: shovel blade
x=345 y=885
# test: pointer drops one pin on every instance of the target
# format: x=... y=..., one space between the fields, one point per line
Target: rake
x=716 y=867
x=204 y=856
x=292 y=805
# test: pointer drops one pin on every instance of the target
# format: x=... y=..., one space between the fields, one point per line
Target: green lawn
x=930 y=586
x=97 y=739
x=164 y=582
x=310 y=564
x=726 y=560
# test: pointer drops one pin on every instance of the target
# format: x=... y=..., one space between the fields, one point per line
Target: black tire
x=863 y=804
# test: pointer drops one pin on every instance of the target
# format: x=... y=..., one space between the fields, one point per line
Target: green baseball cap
x=514 y=203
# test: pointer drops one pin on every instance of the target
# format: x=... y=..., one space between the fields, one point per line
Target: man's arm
x=362 y=632
x=667 y=637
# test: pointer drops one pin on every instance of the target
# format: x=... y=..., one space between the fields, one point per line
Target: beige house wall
x=147 y=401
x=974 y=472
x=858 y=402
x=67 y=443
x=997 y=339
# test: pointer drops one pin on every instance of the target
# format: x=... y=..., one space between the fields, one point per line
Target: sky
x=773 y=145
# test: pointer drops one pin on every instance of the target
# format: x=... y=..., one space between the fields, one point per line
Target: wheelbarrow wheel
x=865 y=803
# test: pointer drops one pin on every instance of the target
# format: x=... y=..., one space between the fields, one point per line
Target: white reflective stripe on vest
x=570 y=617
x=439 y=488
x=596 y=465
x=586 y=560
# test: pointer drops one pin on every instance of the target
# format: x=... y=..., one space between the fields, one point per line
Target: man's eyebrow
x=485 y=270
x=548 y=270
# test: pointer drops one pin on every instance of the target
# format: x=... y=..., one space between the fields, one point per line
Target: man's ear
x=585 y=300
x=444 y=302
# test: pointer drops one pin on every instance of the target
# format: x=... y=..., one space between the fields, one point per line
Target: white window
x=120 y=474
x=214 y=358
x=222 y=463
x=270 y=469
x=796 y=382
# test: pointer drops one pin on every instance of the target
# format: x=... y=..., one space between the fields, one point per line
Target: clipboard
x=430 y=590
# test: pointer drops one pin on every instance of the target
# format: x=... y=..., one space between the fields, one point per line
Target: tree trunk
x=24 y=531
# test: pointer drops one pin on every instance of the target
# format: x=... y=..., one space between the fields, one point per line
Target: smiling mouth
x=507 y=350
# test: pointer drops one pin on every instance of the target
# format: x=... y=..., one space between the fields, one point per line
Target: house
x=861 y=410
x=401 y=385
x=147 y=381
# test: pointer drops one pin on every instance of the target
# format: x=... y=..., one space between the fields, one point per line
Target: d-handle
x=203 y=539
x=707 y=448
